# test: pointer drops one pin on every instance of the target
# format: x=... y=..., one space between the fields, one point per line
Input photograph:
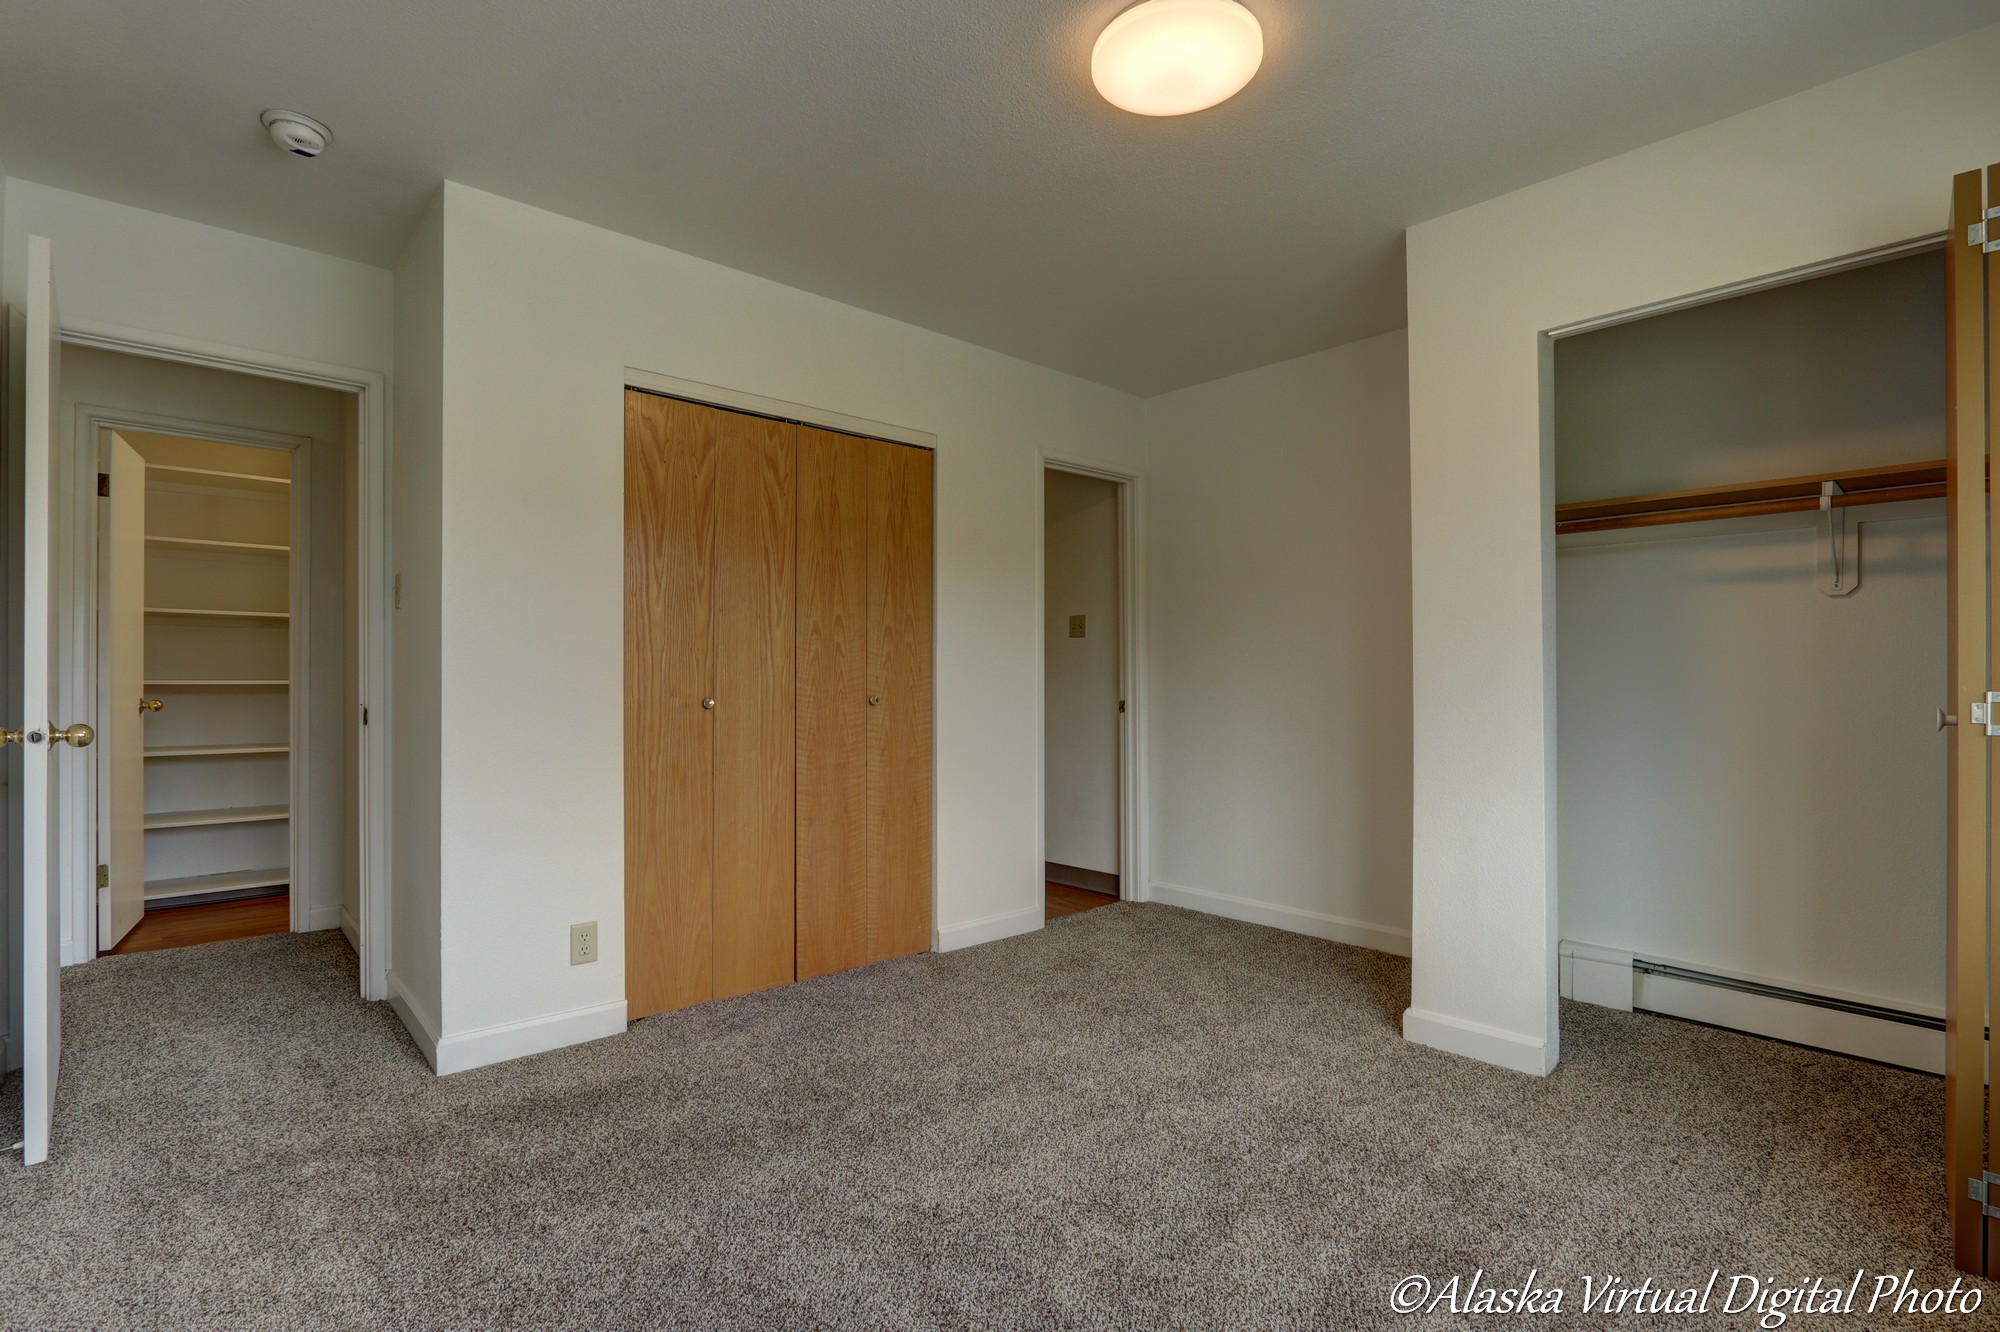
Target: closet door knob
x=708 y=704
x=78 y=735
x=874 y=699
x=150 y=705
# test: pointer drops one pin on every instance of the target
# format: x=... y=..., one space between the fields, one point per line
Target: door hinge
x=1980 y=1189
x=104 y=876
x=1986 y=713
x=1985 y=234
x=103 y=484
x=364 y=714
x=1121 y=705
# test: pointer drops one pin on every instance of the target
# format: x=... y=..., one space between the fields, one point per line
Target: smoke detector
x=296 y=133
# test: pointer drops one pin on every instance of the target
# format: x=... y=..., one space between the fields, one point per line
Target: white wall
x=1279 y=604
x=1749 y=778
x=1080 y=722
x=542 y=315
x=131 y=269
x=1854 y=164
x=416 y=501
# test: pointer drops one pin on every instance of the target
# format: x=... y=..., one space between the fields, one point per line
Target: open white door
x=122 y=901
x=39 y=738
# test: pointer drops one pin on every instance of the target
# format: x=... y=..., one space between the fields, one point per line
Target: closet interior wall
x=1749 y=777
x=778 y=666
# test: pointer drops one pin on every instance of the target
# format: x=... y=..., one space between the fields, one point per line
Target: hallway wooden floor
x=1064 y=900
x=180 y=927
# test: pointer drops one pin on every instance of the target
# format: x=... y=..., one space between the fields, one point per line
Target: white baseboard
x=1476 y=1040
x=462 y=1051
x=323 y=918
x=1594 y=975
x=350 y=927
x=1339 y=929
x=422 y=1027
x=987 y=929
x=1880 y=1039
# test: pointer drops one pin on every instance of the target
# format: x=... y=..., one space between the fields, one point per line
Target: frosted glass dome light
x=1170 y=57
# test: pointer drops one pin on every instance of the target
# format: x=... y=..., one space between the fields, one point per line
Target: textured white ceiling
x=941 y=161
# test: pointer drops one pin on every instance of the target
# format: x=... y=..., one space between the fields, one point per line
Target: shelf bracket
x=1839 y=550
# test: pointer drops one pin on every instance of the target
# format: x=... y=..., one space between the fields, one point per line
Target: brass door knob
x=78 y=736
x=150 y=705
x=10 y=736
x=708 y=704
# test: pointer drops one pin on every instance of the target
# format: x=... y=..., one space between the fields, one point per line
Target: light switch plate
x=1076 y=626
x=583 y=943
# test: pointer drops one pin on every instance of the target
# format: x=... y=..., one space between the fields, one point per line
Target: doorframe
x=370 y=389
x=1134 y=883
x=89 y=663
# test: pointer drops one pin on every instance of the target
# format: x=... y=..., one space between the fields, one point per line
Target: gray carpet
x=1139 y=1118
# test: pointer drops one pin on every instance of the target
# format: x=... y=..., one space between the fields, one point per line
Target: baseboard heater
x=1641 y=966
x=1882 y=1032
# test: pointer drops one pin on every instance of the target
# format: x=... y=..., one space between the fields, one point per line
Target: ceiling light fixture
x=1170 y=57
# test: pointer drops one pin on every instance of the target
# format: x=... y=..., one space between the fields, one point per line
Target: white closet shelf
x=212 y=751
x=211 y=818
x=202 y=885
x=195 y=613
x=210 y=476
x=203 y=543
x=220 y=686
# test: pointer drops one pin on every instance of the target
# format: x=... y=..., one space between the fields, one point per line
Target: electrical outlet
x=582 y=943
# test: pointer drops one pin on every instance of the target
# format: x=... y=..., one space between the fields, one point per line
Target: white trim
x=1880 y=254
x=372 y=617
x=513 y=1040
x=989 y=929
x=320 y=918
x=349 y=926
x=1134 y=885
x=1782 y=1019
x=735 y=400
x=1476 y=1040
x=415 y=1020
x=1297 y=920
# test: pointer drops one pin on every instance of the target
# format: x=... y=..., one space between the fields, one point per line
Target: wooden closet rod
x=1793 y=494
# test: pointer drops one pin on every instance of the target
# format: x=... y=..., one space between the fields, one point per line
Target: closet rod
x=1796 y=494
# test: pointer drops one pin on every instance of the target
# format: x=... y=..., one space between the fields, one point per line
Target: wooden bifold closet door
x=777 y=702
x=864 y=842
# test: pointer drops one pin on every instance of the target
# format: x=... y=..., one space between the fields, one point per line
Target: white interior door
x=122 y=901
x=41 y=910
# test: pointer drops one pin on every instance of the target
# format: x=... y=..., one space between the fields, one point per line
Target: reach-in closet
x=778 y=677
x=1751 y=660
x=199 y=633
